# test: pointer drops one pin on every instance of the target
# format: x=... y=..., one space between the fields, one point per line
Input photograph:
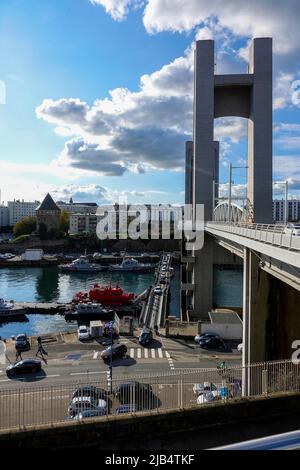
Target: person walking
x=18 y=355
x=41 y=350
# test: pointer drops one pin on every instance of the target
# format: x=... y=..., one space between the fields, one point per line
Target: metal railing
x=274 y=234
x=31 y=406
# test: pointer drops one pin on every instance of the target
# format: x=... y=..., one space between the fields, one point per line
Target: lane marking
x=160 y=353
x=139 y=353
x=146 y=353
x=153 y=353
x=96 y=353
x=88 y=372
x=131 y=353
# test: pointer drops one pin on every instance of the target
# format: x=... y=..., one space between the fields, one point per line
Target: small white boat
x=81 y=264
x=89 y=311
x=131 y=265
x=9 y=309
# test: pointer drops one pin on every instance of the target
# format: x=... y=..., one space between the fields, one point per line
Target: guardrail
x=277 y=235
x=49 y=405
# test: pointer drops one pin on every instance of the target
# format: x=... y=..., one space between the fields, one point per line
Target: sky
x=96 y=96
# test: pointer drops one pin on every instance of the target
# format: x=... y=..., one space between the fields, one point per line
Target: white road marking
x=160 y=353
x=88 y=372
x=146 y=353
x=139 y=353
x=131 y=353
x=47 y=376
x=153 y=353
x=5 y=380
x=96 y=353
x=167 y=355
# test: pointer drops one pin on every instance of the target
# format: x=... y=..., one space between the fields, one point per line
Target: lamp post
x=111 y=327
x=230 y=187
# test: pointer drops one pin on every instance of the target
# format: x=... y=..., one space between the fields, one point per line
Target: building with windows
x=293 y=214
x=83 y=223
x=18 y=210
x=4 y=216
x=78 y=207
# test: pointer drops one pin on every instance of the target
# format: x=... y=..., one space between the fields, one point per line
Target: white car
x=83 y=333
x=157 y=291
x=240 y=348
x=292 y=229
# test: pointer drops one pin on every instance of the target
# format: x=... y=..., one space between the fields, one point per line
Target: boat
x=9 y=310
x=131 y=265
x=89 y=311
x=106 y=295
x=81 y=264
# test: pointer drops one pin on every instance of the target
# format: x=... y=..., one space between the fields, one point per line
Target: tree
x=64 y=221
x=25 y=227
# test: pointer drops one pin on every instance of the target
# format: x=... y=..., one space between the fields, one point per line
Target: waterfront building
x=48 y=213
x=18 y=210
x=78 y=207
x=80 y=223
x=4 y=216
x=293 y=214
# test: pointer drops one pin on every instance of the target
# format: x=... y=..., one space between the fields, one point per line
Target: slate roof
x=48 y=205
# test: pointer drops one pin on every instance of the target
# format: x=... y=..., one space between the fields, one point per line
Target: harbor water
x=50 y=285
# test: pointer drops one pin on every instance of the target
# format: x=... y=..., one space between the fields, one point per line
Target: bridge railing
x=278 y=235
x=36 y=405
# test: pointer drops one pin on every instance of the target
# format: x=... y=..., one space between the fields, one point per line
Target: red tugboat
x=106 y=295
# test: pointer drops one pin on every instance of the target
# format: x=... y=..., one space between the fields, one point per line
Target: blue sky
x=99 y=94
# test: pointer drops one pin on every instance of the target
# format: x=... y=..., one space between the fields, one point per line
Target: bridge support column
x=256 y=289
x=203 y=280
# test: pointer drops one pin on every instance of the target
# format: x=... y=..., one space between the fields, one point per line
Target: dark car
x=27 y=366
x=131 y=393
x=90 y=391
x=212 y=343
x=116 y=351
x=89 y=414
x=22 y=343
x=145 y=337
x=127 y=408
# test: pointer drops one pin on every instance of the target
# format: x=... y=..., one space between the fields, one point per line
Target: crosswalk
x=142 y=353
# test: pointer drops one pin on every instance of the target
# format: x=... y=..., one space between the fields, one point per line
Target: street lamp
x=111 y=328
x=230 y=187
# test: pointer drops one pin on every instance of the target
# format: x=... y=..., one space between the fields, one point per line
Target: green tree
x=64 y=221
x=25 y=227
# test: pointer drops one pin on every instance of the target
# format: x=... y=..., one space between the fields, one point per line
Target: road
x=44 y=397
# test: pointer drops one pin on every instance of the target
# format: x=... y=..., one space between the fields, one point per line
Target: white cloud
x=118 y=9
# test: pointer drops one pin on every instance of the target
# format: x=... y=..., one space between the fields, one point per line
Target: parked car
x=205 y=387
x=157 y=291
x=90 y=391
x=145 y=337
x=126 y=408
x=89 y=414
x=240 y=347
x=81 y=404
x=212 y=343
x=22 y=343
x=27 y=366
x=134 y=393
x=292 y=229
x=204 y=336
x=117 y=351
x=83 y=333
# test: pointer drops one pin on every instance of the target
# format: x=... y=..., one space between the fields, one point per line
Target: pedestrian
x=19 y=355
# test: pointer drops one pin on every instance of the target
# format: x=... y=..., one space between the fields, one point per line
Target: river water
x=49 y=285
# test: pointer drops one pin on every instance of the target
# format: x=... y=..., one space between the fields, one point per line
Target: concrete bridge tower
x=243 y=95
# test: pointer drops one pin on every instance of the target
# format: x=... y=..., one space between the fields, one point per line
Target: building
x=78 y=207
x=83 y=223
x=293 y=214
x=18 y=210
x=48 y=213
x=4 y=216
